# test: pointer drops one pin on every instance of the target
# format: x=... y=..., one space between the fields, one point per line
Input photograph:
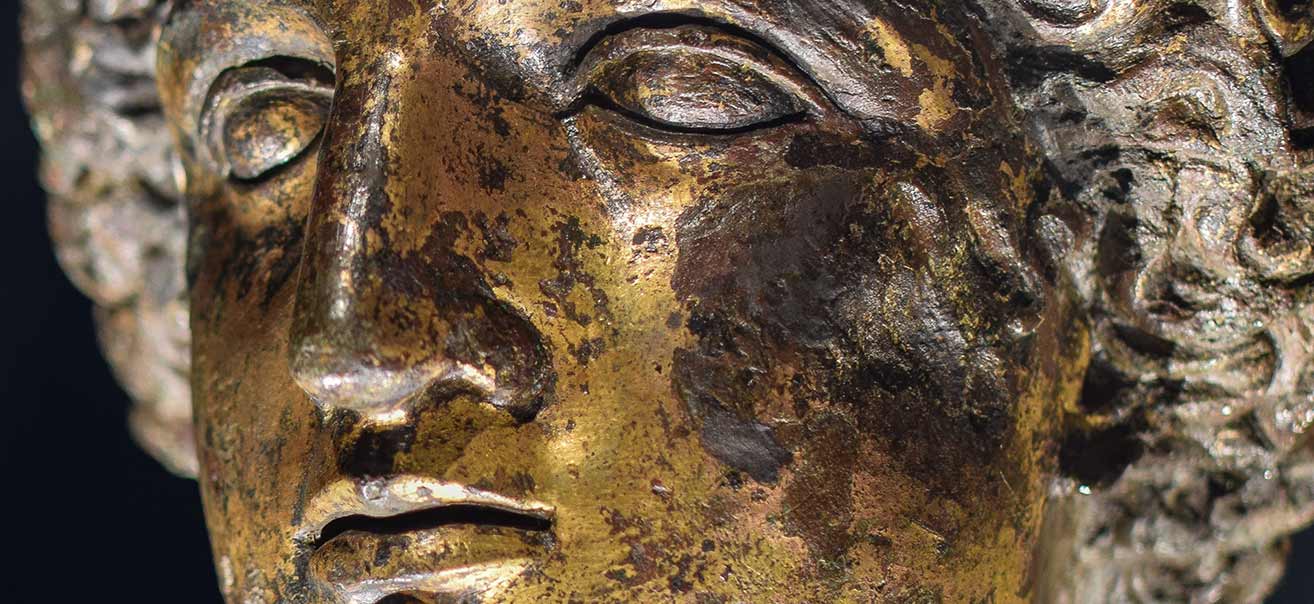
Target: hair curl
x=1173 y=144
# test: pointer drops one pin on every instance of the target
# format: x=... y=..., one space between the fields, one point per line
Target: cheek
x=835 y=356
x=246 y=238
x=758 y=275
x=241 y=310
x=831 y=294
x=246 y=249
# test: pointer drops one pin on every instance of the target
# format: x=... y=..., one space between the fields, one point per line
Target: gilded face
x=544 y=301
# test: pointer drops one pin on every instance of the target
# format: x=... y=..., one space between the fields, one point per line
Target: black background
x=87 y=515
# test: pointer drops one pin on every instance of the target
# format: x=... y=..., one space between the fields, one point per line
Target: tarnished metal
x=714 y=301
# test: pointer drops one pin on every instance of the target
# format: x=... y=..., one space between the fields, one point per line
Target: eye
x=692 y=79
x=266 y=115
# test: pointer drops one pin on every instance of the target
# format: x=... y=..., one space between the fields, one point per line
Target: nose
x=388 y=316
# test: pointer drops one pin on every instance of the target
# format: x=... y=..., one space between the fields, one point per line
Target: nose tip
x=357 y=344
x=353 y=375
x=340 y=377
x=350 y=349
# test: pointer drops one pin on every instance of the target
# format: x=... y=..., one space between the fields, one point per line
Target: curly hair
x=1179 y=141
x=115 y=207
x=1174 y=144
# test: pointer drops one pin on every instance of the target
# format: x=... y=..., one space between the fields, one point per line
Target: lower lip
x=455 y=560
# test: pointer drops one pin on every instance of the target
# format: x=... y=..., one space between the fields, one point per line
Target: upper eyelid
x=595 y=62
x=671 y=21
x=659 y=21
x=311 y=80
x=296 y=70
x=194 y=54
x=599 y=52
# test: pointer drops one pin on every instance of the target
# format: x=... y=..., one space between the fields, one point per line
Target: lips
x=366 y=541
x=430 y=518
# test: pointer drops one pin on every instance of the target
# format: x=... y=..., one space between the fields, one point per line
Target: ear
x=116 y=214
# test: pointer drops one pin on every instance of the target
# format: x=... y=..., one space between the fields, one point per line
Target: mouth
x=378 y=540
x=432 y=518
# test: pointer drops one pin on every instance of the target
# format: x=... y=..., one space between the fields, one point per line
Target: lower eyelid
x=644 y=129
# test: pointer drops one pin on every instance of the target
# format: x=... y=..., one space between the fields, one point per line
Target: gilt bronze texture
x=703 y=301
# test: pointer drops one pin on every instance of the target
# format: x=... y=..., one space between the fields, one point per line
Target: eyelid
x=293 y=78
x=692 y=38
x=202 y=40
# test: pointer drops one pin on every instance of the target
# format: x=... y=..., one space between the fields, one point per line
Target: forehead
x=887 y=64
x=539 y=22
x=559 y=12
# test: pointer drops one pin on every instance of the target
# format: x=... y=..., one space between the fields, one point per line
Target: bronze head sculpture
x=715 y=301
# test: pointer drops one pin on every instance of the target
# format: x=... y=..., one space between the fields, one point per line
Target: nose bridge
x=351 y=189
x=347 y=346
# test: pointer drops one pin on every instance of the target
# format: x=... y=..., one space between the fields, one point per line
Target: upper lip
x=376 y=504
